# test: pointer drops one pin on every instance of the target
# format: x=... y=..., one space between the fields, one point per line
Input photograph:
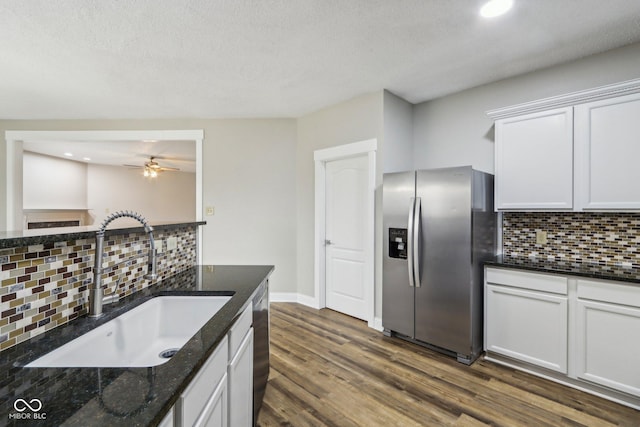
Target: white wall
x=53 y=183
x=398 y=133
x=249 y=180
x=455 y=131
x=170 y=197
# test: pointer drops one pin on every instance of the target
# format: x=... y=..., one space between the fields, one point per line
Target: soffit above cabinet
x=567 y=100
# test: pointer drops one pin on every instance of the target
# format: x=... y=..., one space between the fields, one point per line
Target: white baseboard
x=307 y=300
x=283 y=297
x=377 y=324
x=293 y=297
x=313 y=303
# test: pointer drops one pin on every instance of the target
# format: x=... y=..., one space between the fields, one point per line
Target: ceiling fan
x=153 y=168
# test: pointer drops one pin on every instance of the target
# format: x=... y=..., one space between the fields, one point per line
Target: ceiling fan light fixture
x=150 y=172
x=152 y=169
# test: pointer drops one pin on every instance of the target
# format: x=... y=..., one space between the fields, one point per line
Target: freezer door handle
x=415 y=237
x=412 y=205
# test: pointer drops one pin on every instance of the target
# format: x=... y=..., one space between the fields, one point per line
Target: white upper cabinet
x=607 y=151
x=572 y=152
x=534 y=153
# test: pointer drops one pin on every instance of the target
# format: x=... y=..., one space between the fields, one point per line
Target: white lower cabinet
x=221 y=394
x=204 y=401
x=240 y=373
x=215 y=412
x=527 y=325
x=584 y=333
x=167 y=421
x=608 y=336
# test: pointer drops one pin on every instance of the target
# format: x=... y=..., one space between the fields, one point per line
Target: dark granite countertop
x=15 y=239
x=591 y=270
x=123 y=396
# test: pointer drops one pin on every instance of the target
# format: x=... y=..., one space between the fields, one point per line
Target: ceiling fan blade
x=163 y=168
x=133 y=166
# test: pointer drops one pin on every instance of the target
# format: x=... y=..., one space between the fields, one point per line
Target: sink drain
x=167 y=354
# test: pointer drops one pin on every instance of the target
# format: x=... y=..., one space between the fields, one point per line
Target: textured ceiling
x=72 y=59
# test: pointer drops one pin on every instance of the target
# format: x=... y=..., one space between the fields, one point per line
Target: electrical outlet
x=159 y=246
x=209 y=211
x=541 y=237
x=172 y=243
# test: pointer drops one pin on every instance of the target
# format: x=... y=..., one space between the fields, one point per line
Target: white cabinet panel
x=215 y=412
x=197 y=395
x=607 y=152
x=240 y=374
x=533 y=281
x=167 y=421
x=534 y=161
x=239 y=330
x=527 y=325
x=608 y=345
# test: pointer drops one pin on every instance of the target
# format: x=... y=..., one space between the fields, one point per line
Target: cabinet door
x=197 y=397
x=215 y=412
x=534 y=161
x=527 y=325
x=608 y=345
x=167 y=421
x=607 y=152
x=240 y=375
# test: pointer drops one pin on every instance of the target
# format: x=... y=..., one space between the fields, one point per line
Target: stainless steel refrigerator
x=439 y=226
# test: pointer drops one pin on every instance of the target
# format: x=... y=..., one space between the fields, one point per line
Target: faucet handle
x=111 y=298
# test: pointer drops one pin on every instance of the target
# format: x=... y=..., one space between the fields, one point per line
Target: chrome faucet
x=96 y=292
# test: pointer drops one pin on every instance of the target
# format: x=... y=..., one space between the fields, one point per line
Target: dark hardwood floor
x=328 y=369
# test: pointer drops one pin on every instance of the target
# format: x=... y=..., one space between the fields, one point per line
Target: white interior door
x=345 y=231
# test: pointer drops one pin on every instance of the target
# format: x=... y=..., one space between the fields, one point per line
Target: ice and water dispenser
x=398 y=243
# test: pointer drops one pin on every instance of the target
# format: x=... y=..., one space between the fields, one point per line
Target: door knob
x=328 y=242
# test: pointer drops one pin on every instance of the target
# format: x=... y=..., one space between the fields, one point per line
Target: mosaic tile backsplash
x=44 y=286
x=611 y=239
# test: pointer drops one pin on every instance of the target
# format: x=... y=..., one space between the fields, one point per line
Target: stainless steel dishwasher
x=260 y=346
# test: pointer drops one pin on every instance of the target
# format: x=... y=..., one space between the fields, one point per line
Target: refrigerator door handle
x=412 y=205
x=415 y=237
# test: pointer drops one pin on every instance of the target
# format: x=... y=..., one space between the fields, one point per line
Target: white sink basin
x=138 y=337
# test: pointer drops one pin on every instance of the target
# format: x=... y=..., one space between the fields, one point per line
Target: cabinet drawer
x=609 y=292
x=239 y=330
x=524 y=280
x=197 y=394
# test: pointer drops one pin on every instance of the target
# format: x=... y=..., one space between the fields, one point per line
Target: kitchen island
x=123 y=396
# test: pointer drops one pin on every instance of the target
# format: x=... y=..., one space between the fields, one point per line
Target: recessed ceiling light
x=495 y=8
x=68 y=154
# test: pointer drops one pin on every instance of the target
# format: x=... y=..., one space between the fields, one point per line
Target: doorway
x=345 y=230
